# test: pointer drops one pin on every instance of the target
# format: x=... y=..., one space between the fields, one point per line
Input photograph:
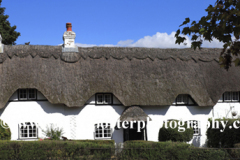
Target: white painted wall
x=224 y=109
x=185 y=113
x=78 y=123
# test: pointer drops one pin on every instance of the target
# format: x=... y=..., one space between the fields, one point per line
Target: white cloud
x=94 y=45
x=213 y=44
x=159 y=40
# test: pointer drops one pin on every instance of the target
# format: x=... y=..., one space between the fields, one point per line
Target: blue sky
x=130 y=23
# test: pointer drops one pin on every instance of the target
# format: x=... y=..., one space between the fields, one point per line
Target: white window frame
x=180 y=99
x=197 y=129
x=100 y=129
x=237 y=97
x=27 y=94
x=19 y=92
x=26 y=126
x=35 y=94
x=230 y=96
x=103 y=98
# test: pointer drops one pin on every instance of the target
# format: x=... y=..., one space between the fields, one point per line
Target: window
x=105 y=98
x=103 y=130
x=196 y=127
x=27 y=130
x=231 y=97
x=27 y=94
x=183 y=99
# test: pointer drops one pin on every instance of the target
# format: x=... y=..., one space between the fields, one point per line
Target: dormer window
x=104 y=98
x=183 y=99
x=27 y=94
x=230 y=97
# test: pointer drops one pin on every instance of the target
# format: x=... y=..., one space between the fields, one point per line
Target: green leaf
x=202 y=30
x=187 y=20
x=194 y=22
x=194 y=37
x=186 y=31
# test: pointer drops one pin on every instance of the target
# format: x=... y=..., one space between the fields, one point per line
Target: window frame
x=182 y=103
x=103 y=99
x=27 y=94
x=198 y=129
x=231 y=97
x=103 y=129
x=27 y=127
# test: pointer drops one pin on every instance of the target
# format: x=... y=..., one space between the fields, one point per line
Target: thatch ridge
x=136 y=76
x=186 y=54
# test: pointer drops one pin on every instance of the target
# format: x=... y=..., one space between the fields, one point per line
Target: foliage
x=225 y=139
x=5 y=134
x=168 y=150
x=89 y=150
x=206 y=154
x=166 y=134
x=235 y=152
x=222 y=21
x=53 y=133
x=54 y=150
x=8 y=33
x=100 y=142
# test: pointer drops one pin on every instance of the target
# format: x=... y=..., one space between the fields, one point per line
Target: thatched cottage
x=78 y=88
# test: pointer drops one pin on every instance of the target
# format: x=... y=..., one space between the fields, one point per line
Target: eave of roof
x=136 y=76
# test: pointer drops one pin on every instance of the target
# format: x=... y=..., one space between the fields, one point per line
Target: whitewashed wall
x=78 y=123
x=224 y=109
x=160 y=114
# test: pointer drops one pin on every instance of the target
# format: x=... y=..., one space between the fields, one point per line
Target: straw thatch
x=136 y=76
x=134 y=113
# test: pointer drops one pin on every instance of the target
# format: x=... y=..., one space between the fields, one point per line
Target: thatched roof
x=134 y=113
x=136 y=76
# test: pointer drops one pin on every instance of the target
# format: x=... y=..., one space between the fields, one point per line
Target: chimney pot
x=69 y=26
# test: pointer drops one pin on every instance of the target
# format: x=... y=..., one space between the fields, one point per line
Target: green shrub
x=54 y=150
x=235 y=152
x=5 y=134
x=100 y=142
x=225 y=139
x=208 y=154
x=169 y=150
x=53 y=133
x=155 y=150
x=169 y=134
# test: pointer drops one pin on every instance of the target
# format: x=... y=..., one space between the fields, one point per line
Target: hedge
x=235 y=152
x=167 y=134
x=28 y=150
x=111 y=143
x=225 y=139
x=169 y=150
x=54 y=149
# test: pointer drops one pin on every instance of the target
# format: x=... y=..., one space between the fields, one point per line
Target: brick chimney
x=69 y=40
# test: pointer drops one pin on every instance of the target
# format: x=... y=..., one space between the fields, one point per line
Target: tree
x=222 y=23
x=8 y=33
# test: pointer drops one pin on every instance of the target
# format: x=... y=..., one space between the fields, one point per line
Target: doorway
x=133 y=134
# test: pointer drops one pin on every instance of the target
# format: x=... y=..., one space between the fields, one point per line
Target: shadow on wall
x=196 y=141
x=199 y=110
x=117 y=135
x=155 y=110
x=59 y=108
